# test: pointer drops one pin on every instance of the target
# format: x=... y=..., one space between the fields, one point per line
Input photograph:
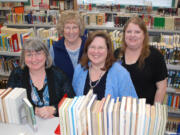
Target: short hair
x=70 y=17
x=110 y=57
x=35 y=44
x=145 y=49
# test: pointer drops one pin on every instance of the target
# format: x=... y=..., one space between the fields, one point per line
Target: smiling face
x=35 y=60
x=97 y=51
x=71 y=32
x=134 y=36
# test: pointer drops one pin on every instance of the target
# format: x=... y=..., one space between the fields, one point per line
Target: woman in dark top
x=68 y=50
x=145 y=64
x=45 y=84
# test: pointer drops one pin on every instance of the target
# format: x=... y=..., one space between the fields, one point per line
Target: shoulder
x=59 y=42
x=79 y=68
x=17 y=70
x=117 y=68
x=154 y=52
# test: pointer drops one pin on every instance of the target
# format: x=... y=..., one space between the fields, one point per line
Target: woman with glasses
x=99 y=71
x=68 y=50
x=45 y=84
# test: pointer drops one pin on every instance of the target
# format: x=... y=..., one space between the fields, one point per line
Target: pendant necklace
x=97 y=82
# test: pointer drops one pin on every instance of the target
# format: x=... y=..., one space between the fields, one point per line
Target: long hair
x=145 y=48
x=110 y=57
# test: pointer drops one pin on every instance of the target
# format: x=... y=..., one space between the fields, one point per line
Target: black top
x=58 y=84
x=99 y=89
x=145 y=79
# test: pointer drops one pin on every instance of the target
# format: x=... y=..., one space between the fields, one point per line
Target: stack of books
x=85 y=115
x=16 y=108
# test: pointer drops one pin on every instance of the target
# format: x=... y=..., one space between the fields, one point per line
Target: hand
x=45 y=112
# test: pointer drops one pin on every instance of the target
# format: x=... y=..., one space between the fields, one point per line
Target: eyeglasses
x=93 y=48
x=74 y=28
x=36 y=54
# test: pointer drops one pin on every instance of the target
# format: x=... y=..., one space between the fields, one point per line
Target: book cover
x=110 y=117
x=83 y=114
x=134 y=116
x=128 y=115
x=106 y=104
x=89 y=109
x=30 y=116
x=122 y=116
x=15 y=42
x=116 y=112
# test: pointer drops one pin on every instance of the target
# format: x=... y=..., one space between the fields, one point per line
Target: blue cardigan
x=118 y=81
x=61 y=57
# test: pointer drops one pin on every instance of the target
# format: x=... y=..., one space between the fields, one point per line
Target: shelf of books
x=8 y=53
x=111 y=27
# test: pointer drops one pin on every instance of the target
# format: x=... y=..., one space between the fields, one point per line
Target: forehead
x=133 y=26
x=70 y=23
x=32 y=51
x=98 y=41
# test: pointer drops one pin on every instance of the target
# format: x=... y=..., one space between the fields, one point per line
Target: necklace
x=90 y=82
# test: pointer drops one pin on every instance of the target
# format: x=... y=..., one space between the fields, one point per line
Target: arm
x=161 y=90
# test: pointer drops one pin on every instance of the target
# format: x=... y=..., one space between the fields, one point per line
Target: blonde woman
x=68 y=50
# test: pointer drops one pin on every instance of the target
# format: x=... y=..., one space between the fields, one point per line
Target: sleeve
x=75 y=77
x=14 y=79
x=126 y=85
x=160 y=69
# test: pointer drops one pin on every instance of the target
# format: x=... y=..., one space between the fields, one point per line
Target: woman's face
x=97 y=51
x=134 y=36
x=71 y=32
x=35 y=60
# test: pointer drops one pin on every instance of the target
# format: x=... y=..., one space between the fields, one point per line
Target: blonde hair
x=70 y=17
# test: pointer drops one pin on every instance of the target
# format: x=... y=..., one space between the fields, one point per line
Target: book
x=116 y=112
x=133 y=116
x=15 y=42
x=141 y=116
x=122 y=116
x=94 y=115
x=153 y=115
x=83 y=114
x=110 y=117
x=89 y=109
x=70 y=114
x=148 y=119
x=105 y=109
x=128 y=115
x=2 y=105
x=30 y=116
x=100 y=117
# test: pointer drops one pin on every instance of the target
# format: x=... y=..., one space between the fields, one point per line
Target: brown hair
x=69 y=16
x=110 y=57
x=145 y=49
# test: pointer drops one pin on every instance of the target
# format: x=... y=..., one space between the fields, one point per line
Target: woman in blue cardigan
x=99 y=71
x=68 y=50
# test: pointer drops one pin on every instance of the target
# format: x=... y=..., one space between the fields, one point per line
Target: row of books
x=85 y=115
x=172 y=126
x=174 y=78
x=119 y=19
x=16 y=108
x=41 y=17
x=171 y=52
x=12 y=39
x=7 y=64
x=172 y=101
